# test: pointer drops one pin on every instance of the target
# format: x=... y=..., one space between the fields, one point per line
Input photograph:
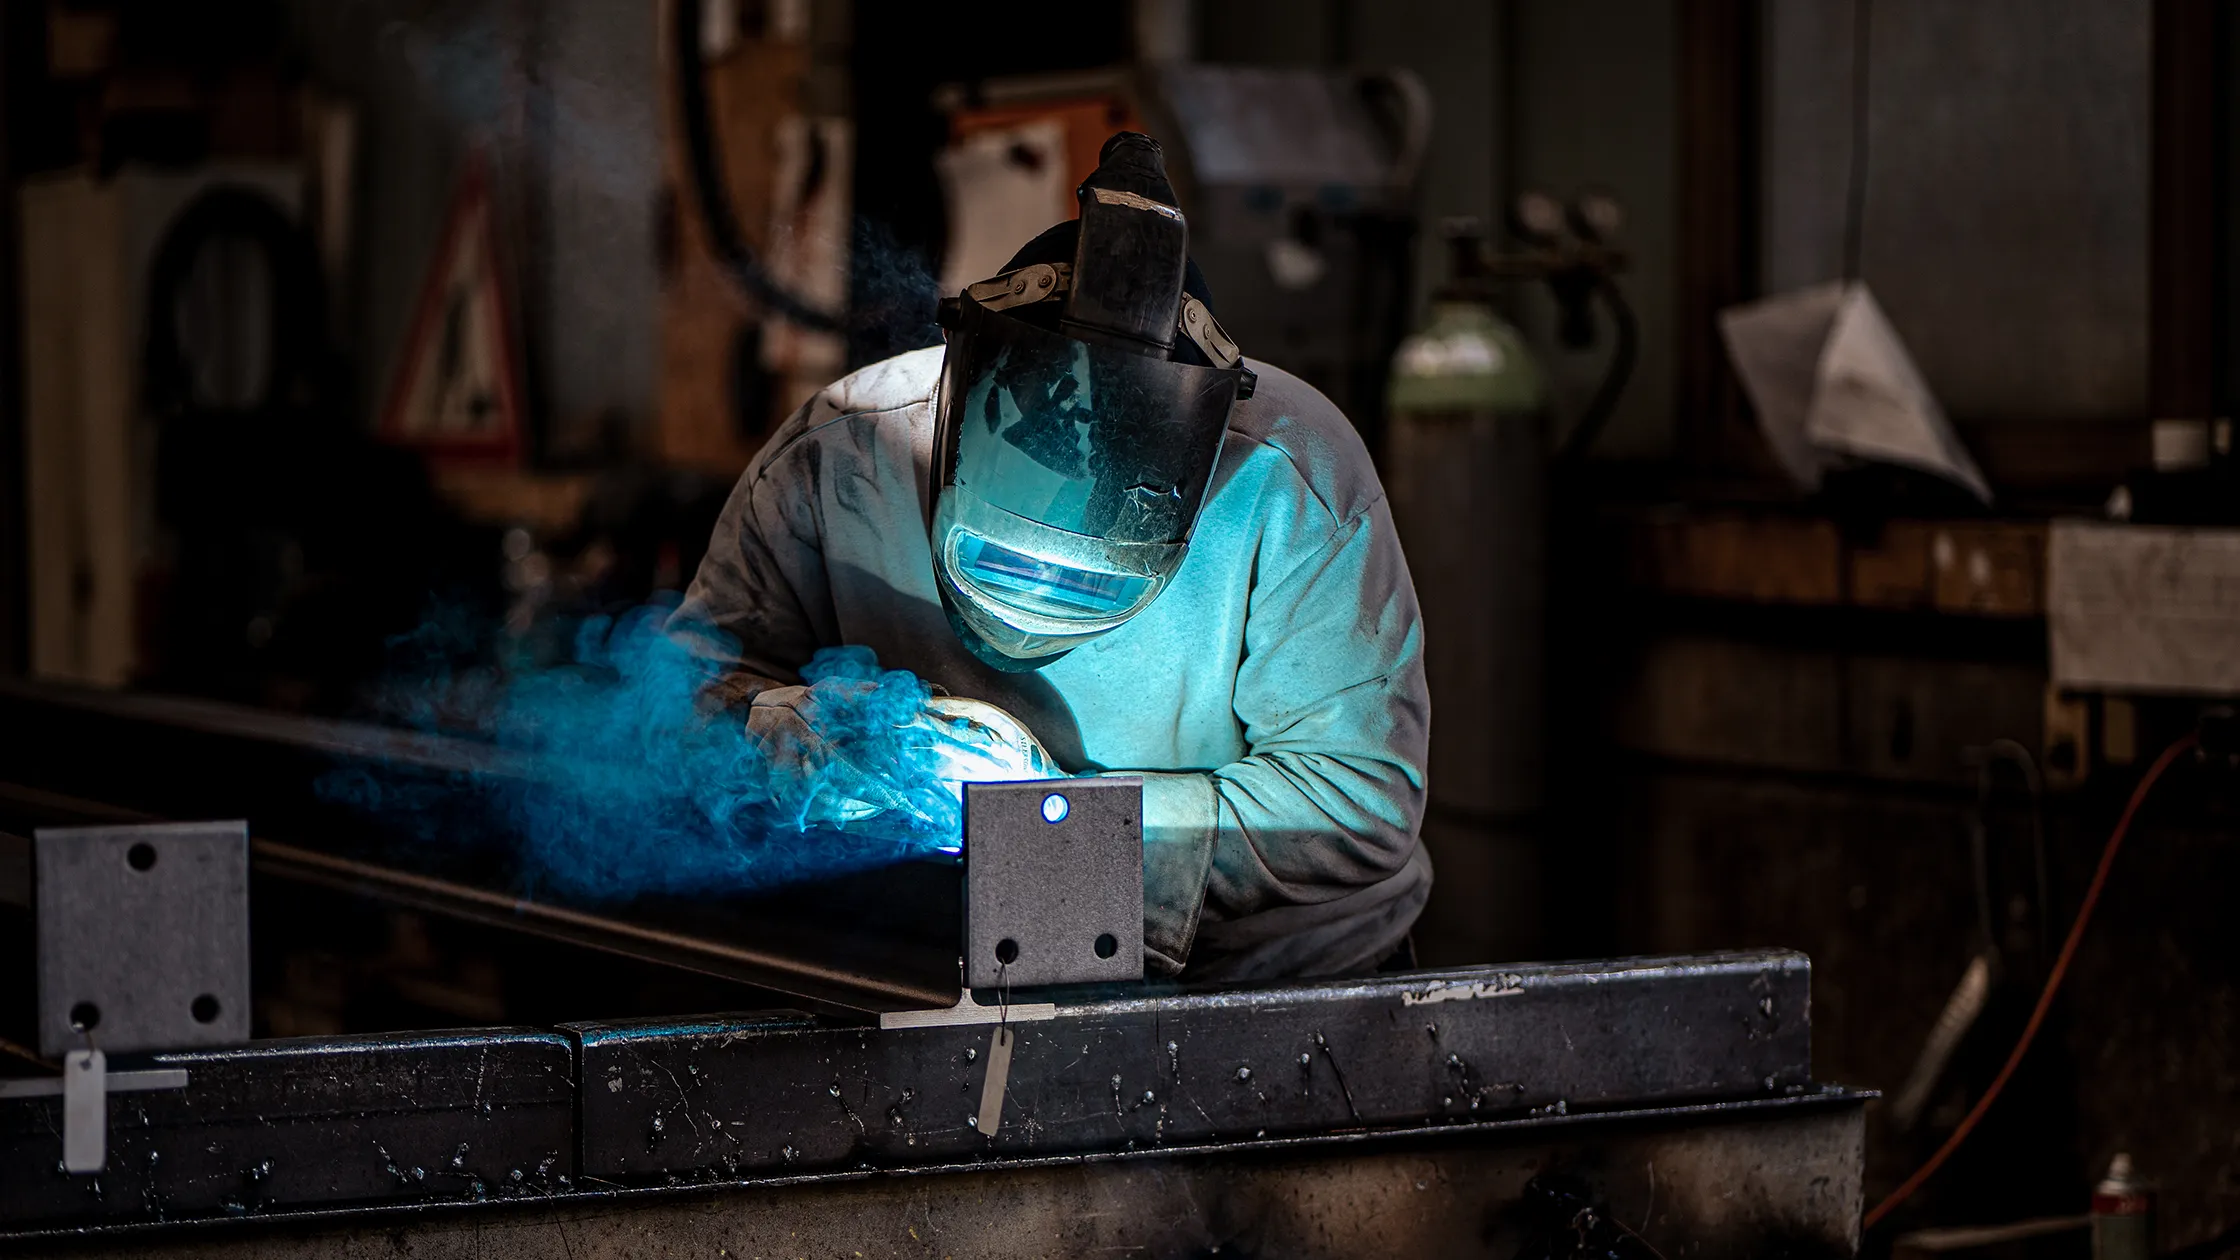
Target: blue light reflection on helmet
x=1035 y=585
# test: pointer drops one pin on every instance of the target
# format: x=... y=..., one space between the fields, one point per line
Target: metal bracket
x=969 y=1011
x=1044 y=281
x=1023 y=287
x=1199 y=325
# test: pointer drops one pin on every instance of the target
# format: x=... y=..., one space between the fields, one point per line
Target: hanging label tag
x=85 y=1111
x=999 y=1073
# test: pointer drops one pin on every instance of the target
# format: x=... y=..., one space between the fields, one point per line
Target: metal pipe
x=827 y=986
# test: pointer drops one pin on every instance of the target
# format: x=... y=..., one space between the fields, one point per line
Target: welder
x=1118 y=547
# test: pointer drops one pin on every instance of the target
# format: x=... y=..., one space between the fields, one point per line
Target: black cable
x=1855 y=192
x=725 y=240
x=2019 y=757
x=1605 y=400
x=1979 y=852
x=298 y=298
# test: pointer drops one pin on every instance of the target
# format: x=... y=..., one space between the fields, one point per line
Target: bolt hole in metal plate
x=143 y=935
x=1053 y=882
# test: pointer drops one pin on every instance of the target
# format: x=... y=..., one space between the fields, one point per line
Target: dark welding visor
x=1082 y=409
x=1092 y=439
x=1067 y=473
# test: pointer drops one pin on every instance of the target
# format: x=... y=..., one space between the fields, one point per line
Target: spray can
x=2122 y=1214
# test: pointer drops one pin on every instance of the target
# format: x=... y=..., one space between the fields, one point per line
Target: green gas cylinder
x=1465 y=359
x=1466 y=471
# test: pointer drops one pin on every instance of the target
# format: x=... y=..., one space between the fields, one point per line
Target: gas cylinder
x=1465 y=472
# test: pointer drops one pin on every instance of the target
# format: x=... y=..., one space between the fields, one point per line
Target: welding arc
x=2045 y=997
x=725 y=240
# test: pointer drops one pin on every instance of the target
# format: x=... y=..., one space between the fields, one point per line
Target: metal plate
x=144 y=933
x=779 y=1093
x=1053 y=882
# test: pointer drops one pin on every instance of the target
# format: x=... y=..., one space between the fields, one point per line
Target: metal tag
x=999 y=1074
x=85 y=1111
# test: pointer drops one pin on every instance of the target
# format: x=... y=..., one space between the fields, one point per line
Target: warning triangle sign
x=456 y=392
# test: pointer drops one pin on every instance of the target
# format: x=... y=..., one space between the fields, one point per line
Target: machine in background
x=1299 y=186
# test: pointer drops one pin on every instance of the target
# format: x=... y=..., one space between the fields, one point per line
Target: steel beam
x=302 y=1122
x=1774 y=1180
x=1252 y=1086
x=773 y=1092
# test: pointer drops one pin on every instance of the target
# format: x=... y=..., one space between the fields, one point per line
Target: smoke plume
x=615 y=780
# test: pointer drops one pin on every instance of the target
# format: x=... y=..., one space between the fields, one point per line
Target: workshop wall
x=562 y=96
x=1595 y=106
x=2006 y=211
x=2227 y=107
x=1529 y=94
x=2005 y=225
x=1754 y=750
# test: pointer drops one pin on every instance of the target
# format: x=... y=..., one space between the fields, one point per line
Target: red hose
x=2045 y=997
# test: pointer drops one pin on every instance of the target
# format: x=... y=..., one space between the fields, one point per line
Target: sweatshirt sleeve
x=1336 y=717
x=760 y=604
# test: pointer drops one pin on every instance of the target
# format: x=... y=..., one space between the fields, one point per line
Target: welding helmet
x=1083 y=400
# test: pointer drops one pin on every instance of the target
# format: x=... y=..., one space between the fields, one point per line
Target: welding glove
x=980 y=743
x=915 y=770
x=811 y=779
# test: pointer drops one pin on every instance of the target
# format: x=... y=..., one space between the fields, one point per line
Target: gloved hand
x=829 y=767
x=812 y=779
x=980 y=743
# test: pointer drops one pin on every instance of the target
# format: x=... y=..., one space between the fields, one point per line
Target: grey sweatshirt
x=1272 y=697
